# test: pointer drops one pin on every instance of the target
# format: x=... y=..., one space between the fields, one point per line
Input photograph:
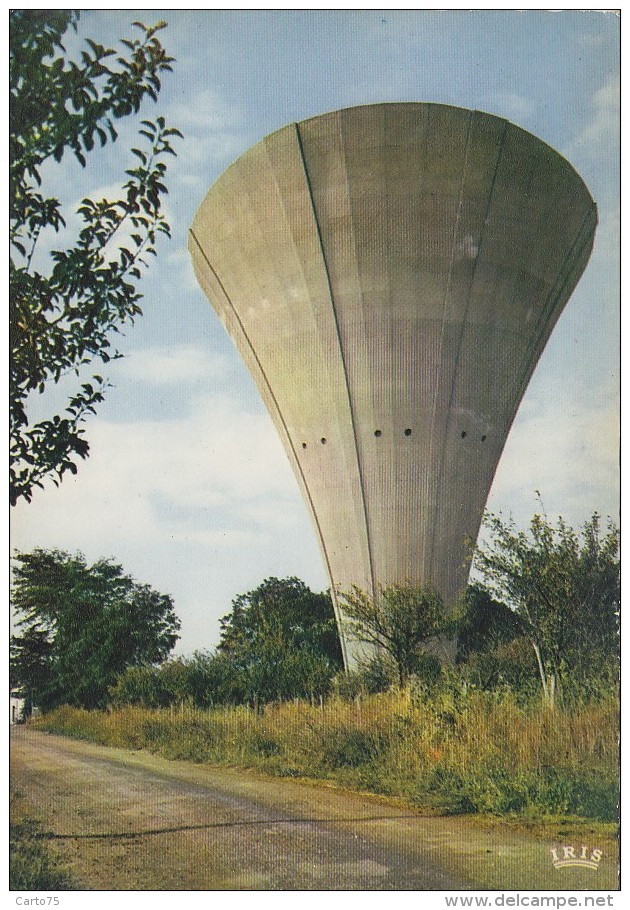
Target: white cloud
x=510 y=105
x=219 y=456
x=607 y=237
x=218 y=540
x=202 y=507
x=147 y=479
x=214 y=135
x=204 y=111
x=159 y=366
x=206 y=146
x=179 y=262
x=571 y=458
x=592 y=40
x=600 y=134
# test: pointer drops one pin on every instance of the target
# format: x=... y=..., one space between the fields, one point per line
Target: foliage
x=398 y=620
x=284 y=610
x=458 y=749
x=491 y=648
x=65 y=306
x=376 y=674
x=272 y=673
x=564 y=586
x=30 y=668
x=379 y=673
x=144 y=685
x=485 y=623
x=279 y=641
x=82 y=626
x=202 y=680
x=510 y=665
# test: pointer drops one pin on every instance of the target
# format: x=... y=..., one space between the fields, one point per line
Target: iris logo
x=562 y=857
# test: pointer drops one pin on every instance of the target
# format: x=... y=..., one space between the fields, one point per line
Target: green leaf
x=72 y=314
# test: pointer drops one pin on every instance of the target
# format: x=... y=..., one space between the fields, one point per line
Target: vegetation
x=473 y=737
x=453 y=749
x=83 y=625
x=398 y=621
x=564 y=589
x=285 y=611
x=279 y=641
x=31 y=865
x=485 y=624
x=66 y=304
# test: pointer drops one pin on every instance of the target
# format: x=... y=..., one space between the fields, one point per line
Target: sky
x=187 y=485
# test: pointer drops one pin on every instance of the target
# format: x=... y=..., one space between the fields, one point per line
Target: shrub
x=511 y=665
x=495 y=790
x=428 y=672
x=352 y=748
x=378 y=674
x=141 y=686
x=264 y=745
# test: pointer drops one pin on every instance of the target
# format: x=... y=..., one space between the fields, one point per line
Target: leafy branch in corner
x=63 y=312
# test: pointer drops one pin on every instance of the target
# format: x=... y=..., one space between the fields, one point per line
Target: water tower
x=390 y=275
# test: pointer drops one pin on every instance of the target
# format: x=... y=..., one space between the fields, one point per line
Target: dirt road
x=127 y=820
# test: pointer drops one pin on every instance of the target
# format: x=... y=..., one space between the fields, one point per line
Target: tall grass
x=460 y=752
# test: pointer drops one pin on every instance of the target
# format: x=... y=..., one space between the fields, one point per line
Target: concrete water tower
x=390 y=275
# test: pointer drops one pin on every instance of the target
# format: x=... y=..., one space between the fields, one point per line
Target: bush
x=264 y=745
x=206 y=680
x=378 y=674
x=428 y=672
x=352 y=748
x=511 y=665
x=552 y=791
x=348 y=685
x=141 y=686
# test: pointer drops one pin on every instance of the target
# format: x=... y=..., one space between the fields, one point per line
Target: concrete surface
x=390 y=275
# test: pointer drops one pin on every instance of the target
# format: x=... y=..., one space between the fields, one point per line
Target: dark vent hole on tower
x=463 y=434
x=303 y=445
x=483 y=438
x=323 y=440
x=407 y=432
x=377 y=433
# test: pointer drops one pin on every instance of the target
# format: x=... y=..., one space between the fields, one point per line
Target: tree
x=280 y=641
x=65 y=306
x=284 y=609
x=30 y=667
x=485 y=623
x=399 y=620
x=565 y=589
x=198 y=679
x=491 y=648
x=83 y=625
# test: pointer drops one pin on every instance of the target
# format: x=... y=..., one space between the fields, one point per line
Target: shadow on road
x=130 y=835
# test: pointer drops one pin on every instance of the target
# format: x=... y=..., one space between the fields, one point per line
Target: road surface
x=125 y=820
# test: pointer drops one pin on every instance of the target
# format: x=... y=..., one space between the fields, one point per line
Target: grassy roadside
x=32 y=866
x=468 y=754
